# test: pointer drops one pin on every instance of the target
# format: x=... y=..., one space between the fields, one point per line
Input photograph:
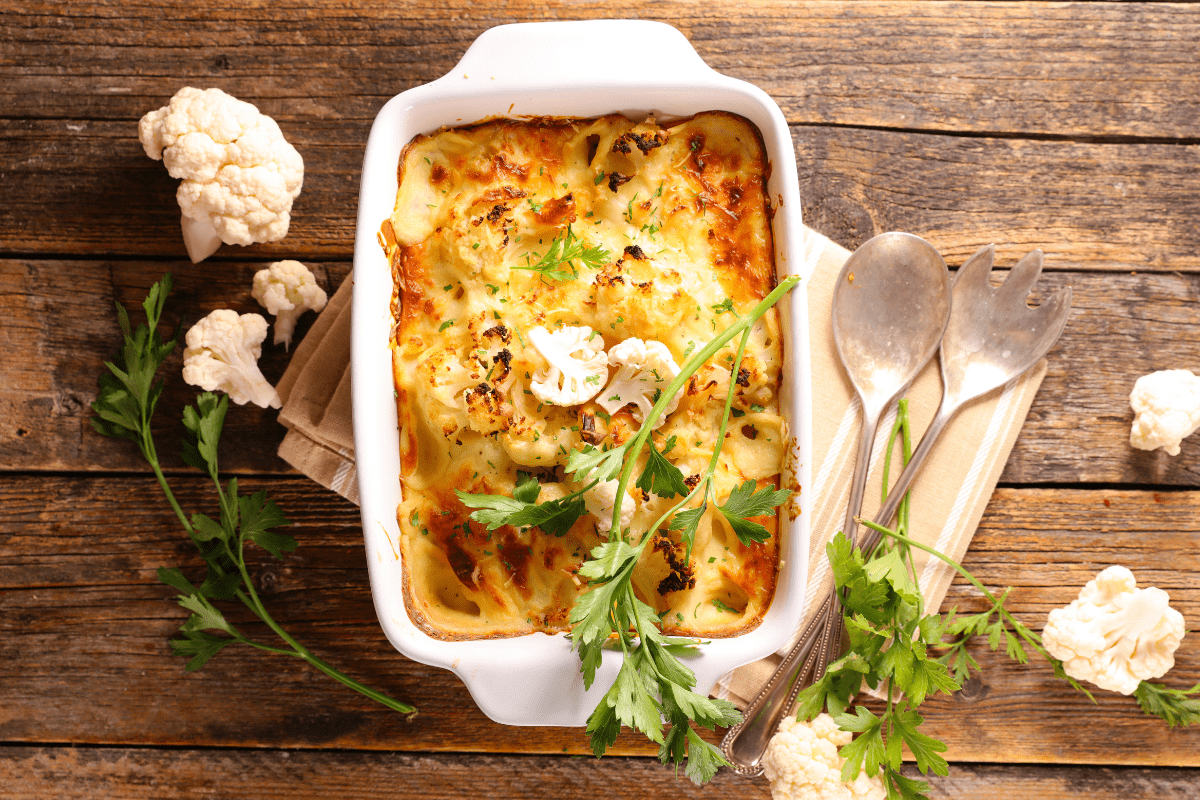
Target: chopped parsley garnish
x=721 y=606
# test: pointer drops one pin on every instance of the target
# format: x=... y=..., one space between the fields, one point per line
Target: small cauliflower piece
x=1115 y=635
x=239 y=174
x=488 y=411
x=802 y=763
x=578 y=365
x=600 y=500
x=1167 y=408
x=222 y=356
x=287 y=289
x=643 y=369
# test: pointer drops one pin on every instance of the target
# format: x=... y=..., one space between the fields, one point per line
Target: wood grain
x=1095 y=206
x=143 y=774
x=61 y=314
x=1078 y=69
x=83 y=621
x=62 y=317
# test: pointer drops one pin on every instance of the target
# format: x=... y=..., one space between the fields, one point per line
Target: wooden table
x=1069 y=127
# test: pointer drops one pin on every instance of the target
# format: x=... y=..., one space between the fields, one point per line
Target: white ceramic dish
x=537 y=69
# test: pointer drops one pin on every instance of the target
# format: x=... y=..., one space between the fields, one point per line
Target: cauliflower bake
x=552 y=276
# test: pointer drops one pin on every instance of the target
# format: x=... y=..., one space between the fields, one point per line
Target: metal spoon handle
x=862 y=463
x=820 y=641
x=745 y=743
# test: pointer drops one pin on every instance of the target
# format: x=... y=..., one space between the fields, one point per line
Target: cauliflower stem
x=890 y=642
x=123 y=409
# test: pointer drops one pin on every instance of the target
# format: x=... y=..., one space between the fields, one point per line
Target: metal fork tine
x=1022 y=278
x=977 y=268
x=1055 y=309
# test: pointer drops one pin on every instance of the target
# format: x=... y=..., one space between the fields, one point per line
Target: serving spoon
x=891 y=304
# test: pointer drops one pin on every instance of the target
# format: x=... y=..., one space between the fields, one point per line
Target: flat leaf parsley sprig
x=129 y=393
x=653 y=689
x=891 y=639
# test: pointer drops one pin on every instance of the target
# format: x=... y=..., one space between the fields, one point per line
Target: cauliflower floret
x=578 y=365
x=802 y=763
x=222 y=355
x=644 y=369
x=239 y=174
x=1115 y=635
x=287 y=289
x=1167 y=405
x=600 y=500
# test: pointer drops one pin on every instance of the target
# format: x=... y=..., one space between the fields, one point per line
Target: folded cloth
x=315 y=390
x=948 y=497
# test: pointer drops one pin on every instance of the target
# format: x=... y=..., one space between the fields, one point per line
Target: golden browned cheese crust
x=682 y=215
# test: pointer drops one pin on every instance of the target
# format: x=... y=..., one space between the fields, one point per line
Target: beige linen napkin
x=315 y=390
x=948 y=497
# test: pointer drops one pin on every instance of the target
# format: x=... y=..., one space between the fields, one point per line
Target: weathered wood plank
x=61 y=317
x=146 y=774
x=1089 y=206
x=60 y=314
x=83 y=621
x=1078 y=69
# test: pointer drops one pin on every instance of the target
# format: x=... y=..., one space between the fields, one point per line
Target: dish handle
x=592 y=52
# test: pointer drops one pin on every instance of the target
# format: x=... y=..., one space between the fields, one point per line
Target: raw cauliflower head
x=222 y=356
x=1166 y=405
x=287 y=289
x=239 y=174
x=802 y=763
x=1115 y=635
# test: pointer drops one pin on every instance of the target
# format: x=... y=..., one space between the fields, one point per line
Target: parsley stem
x=300 y=650
x=1021 y=630
x=706 y=481
x=151 y=455
x=685 y=373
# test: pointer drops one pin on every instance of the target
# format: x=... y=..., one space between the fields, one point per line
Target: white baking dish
x=581 y=69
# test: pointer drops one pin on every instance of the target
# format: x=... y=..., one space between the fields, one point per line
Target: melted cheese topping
x=683 y=218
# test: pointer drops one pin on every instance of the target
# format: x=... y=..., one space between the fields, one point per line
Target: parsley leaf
x=660 y=476
x=744 y=502
x=592 y=463
x=924 y=748
x=687 y=522
x=866 y=751
x=554 y=517
x=722 y=607
x=1174 y=706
